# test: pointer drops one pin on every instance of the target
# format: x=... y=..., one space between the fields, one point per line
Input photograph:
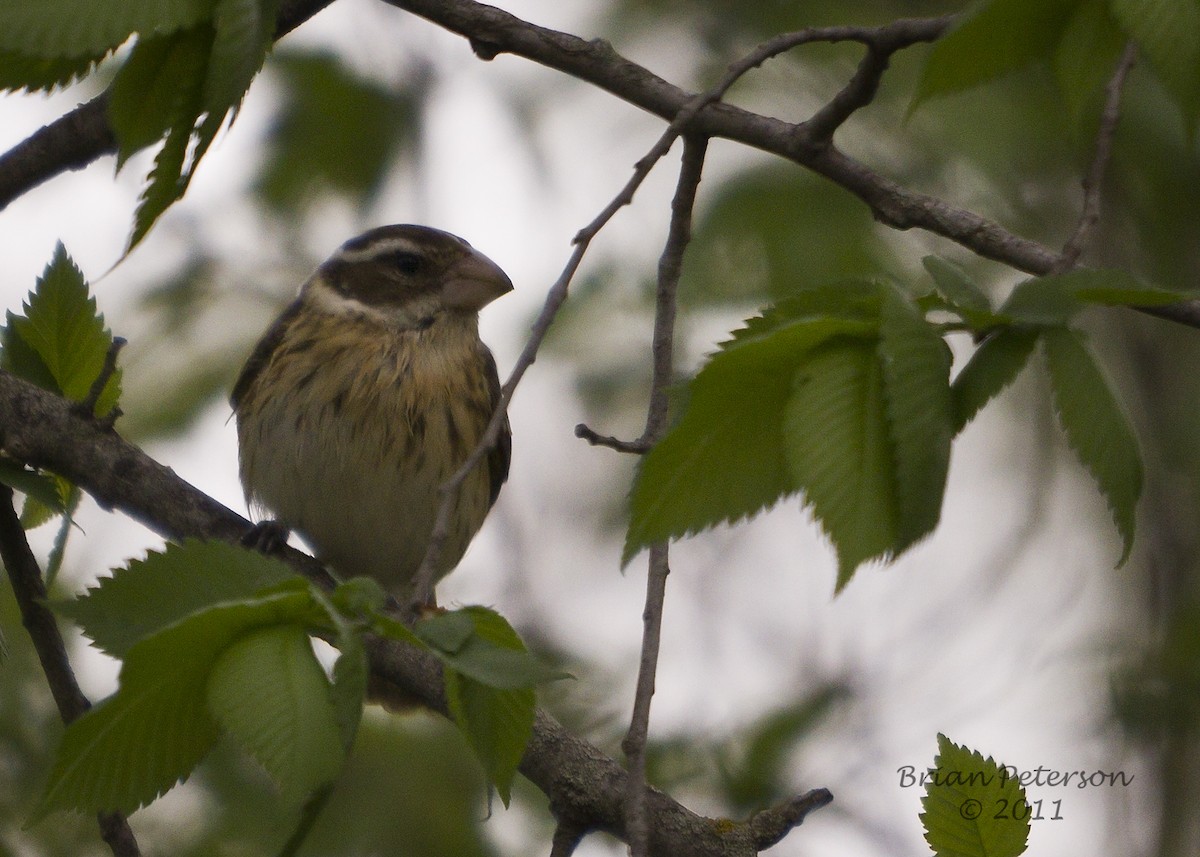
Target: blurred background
x=1009 y=629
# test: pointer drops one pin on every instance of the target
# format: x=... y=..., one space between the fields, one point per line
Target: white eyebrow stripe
x=378 y=248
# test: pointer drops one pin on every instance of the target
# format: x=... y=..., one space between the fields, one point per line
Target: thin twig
x=1093 y=182
x=426 y=573
x=30 y=593
x=670 y=265
x=634 y=447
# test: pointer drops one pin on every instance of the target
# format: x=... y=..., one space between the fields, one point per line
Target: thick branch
x=585 y=787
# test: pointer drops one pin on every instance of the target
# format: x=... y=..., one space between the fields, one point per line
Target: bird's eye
x=403 y=261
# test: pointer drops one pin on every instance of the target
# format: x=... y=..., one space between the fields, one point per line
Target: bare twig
x=30 y=593
x=424 y=578
x=670 y=266
x=635 y=447
x=1094 y=180
x=771 y=825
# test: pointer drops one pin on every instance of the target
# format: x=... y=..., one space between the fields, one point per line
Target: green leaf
x=490 y=695
x=724 y=460
x=350 y=677
x=1086 y=56
x=838 y=450
x=994 y=365
x=158 y=89
x=306 y=152
x=1168 y=34
x=966 y=298
x=993 y=39
x=63 y=329
x=496 y=723
x=150 y=734
x=1096 y=427
x=245 y=30
x=39 y=486
x=965 y=793
x=916 y=375
x=19 y=71
x=1055 y=299
x=166 y=184
x=148 y=595
x=76 y=28
x=36 y=511
x=268 y=691
x=480 y=644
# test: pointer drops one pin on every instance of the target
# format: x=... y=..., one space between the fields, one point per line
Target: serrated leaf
x=244 y=31
x=131 y=748
x=960 y=291
x=994 y=365
x=1168 y=34
x=994 y=38
x=268 y=691
x=73 y=28
x=838 y=451
x=490 y=696
x=148 y=595
x=62 y=327
x=1096 y=428
x=916 y=376
x=20 y=359
x=497 y=724
x=724 y=460
x=157 y=88
x=156 y=728
x=165 y=184
x=479 y=644
x=962 y=795
x=19 y=71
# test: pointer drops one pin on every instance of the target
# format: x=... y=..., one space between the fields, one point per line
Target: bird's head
x=408 y=275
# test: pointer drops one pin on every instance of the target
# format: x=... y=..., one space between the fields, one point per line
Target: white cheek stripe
x=327 y=300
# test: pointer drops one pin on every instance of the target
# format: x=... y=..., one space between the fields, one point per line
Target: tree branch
x=30 y=594
x=584 y=786
x=670 y=266
x=1094 y=180
x=83 y=135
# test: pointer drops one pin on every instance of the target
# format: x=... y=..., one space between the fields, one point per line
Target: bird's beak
x=474 y=282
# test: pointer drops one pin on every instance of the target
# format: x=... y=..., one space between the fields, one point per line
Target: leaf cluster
x=216 y=639
x=190 y=65
x=843 y=394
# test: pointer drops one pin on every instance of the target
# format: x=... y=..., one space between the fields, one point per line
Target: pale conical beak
x=474 y=282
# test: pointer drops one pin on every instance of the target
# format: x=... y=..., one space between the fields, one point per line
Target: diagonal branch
x=585 y=787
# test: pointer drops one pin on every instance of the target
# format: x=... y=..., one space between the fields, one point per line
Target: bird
x=366 y=394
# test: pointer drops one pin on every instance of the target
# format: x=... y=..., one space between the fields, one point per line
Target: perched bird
x=366 y=394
